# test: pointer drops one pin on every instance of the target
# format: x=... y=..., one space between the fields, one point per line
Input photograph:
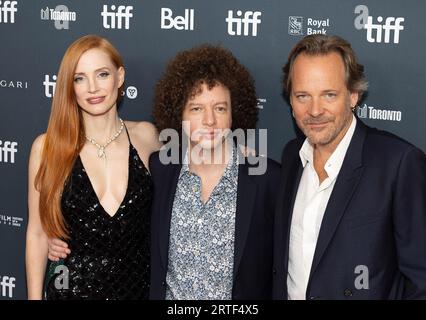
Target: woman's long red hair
x=65 y=135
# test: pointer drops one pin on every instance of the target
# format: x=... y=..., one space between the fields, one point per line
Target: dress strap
x=128 y=136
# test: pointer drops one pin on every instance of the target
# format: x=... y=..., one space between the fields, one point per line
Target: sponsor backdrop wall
x=388 y=36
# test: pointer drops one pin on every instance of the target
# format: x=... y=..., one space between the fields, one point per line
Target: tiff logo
x=8 y=149
x=375 y=31
x=251 y=18
x=7 y=284
x=117 y=15
x=185 y=22
x=49 y=86
x=260 y=103
x=7 y=11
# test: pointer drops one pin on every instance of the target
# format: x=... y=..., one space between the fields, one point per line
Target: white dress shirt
x=309 y=207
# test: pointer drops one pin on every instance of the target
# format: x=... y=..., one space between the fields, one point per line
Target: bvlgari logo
x=13 y=84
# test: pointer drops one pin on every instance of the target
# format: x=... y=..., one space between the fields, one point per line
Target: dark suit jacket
x=375 y=217
x=256 y=199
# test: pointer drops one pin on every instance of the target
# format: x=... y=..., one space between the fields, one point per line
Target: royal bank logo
x=8 y=149
x=385 y=30
x=370 y=112
x=243 y=24
x=7 y=285
x=116 y=17
x=296 y=25
x=185 y=22
x=11 y=221
x=13 y=84
x=7 y=11
x=60 y=15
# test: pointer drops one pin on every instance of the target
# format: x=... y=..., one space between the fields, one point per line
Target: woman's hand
x=58 y=249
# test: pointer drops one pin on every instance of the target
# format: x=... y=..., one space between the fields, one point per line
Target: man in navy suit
x=212 y=216
x=351 y=216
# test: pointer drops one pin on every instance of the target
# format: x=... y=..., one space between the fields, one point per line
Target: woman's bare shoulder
x=144 y=133
x=38 y=144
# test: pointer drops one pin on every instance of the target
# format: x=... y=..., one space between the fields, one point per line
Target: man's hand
x=58 y=249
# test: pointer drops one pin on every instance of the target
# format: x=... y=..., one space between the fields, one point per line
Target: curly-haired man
x=211 y=221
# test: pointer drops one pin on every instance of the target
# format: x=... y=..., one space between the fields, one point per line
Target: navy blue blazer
x=375 y=219
x=256 y=199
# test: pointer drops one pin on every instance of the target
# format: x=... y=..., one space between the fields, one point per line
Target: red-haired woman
x=89 y=184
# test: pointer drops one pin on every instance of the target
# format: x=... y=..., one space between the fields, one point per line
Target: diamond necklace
x=101 y=148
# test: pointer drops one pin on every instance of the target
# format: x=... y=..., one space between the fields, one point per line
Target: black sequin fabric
x=109 y=257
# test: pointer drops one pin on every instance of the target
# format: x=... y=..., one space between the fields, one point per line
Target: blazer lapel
x=246 y=195
x=166 y=210
x=343 y=190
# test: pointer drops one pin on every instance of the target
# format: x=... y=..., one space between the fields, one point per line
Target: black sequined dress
x=109 y=257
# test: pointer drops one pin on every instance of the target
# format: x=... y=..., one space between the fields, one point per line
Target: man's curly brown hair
x=210 y=65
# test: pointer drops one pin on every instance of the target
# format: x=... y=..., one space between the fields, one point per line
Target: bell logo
x=122 y=13
x=7 y=11
x=185 y=22
x=378 y=32
x=7 y=284
x=251 y=18
x=7 y=151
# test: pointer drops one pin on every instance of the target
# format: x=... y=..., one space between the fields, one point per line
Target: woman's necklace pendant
x=101 y=152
